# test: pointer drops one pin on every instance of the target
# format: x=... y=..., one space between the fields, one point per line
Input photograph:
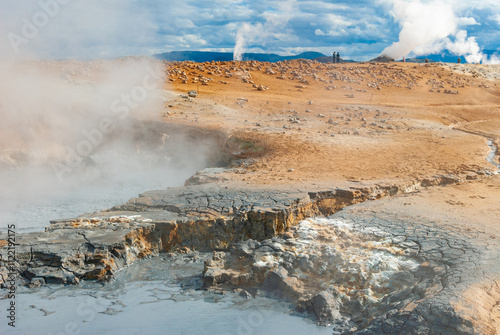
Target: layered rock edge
x=215 y=217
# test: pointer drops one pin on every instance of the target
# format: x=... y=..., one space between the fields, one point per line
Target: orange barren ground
x=308 y=122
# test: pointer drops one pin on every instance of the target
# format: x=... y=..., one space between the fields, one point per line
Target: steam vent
x=359 y=198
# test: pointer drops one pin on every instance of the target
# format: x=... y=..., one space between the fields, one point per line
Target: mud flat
x=157 y=295
x=372 y=267
x=373 y=215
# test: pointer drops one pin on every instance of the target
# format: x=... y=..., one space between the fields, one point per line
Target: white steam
x=49 y=107
x=422 y=24
x=432 y=27
x=69 y=130
x=81 y=136
x=275 y=23
x=245 y=35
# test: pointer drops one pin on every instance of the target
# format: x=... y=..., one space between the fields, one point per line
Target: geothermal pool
x=155 y=296
x=59 y=201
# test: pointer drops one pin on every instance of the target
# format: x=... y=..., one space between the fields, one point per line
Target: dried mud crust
x=399 y=122
x=436 y=262
x=454 y=260
x=312 y=139
x=451 y=288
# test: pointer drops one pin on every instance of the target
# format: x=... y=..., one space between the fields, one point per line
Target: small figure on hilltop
x=459 y=60
x=426 y=60
x=336 y=57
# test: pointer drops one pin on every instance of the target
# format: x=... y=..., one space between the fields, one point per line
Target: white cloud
x=496 y=18
x=336 y=21
x=188 y=41
x=467 y=21
x=319 y=32
x=322 y=7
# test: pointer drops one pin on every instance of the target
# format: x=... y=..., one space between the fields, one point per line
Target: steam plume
x=69 y=129
x=432 y=27
x=261 y=32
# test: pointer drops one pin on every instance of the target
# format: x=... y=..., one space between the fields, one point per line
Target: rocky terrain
x=400 y=157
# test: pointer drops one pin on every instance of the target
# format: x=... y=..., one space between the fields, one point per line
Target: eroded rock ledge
x=219 y=218
x=201 y=217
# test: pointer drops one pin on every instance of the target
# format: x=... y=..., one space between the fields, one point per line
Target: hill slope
x=205 y=56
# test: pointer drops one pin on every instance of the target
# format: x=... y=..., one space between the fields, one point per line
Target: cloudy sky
x=358 y=29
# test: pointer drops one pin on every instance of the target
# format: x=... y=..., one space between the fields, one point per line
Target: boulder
x=325 y=307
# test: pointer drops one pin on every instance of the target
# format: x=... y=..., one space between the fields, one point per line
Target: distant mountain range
x=207 y=56
x=447 y=57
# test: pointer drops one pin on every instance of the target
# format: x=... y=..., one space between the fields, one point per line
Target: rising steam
x=247 y=34
x=432 y=27
x=69 y=129
x=70 y=135
x=274 y=23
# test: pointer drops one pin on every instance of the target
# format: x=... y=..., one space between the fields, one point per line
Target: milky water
x=32 y=196
x=491 y=156
x=34 y=214
x=156 y=296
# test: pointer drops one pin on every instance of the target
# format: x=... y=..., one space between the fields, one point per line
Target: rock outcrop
x=202 y=217
x=353 y=278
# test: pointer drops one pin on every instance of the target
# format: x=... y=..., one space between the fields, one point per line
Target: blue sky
x=358 y=29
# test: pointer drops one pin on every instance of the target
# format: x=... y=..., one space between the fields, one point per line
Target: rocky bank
x=356 y=273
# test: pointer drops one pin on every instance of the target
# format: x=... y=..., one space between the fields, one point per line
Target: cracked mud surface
x=452 y=254
x=428 y=256
x=402 y=164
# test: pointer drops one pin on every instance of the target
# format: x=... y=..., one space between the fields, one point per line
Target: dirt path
x=354 y=131
x=322 y=137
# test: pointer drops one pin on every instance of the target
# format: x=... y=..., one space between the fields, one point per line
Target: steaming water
x=35 y=215
x=31 y=196
x=70 y=199
x=491 y=156
x=157 y=296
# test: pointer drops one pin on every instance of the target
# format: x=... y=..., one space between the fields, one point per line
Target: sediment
x=371 y=268
x=243 y=225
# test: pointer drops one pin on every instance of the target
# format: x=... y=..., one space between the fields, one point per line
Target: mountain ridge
x=208 y=56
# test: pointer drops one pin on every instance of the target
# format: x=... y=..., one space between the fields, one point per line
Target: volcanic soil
x=303 y=123
x=307 y=122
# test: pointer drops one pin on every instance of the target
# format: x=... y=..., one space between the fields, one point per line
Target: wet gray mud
x=161 y=295
x=364 y=270
x=492 y=156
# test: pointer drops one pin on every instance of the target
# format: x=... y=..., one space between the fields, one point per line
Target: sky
x=359 y=30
